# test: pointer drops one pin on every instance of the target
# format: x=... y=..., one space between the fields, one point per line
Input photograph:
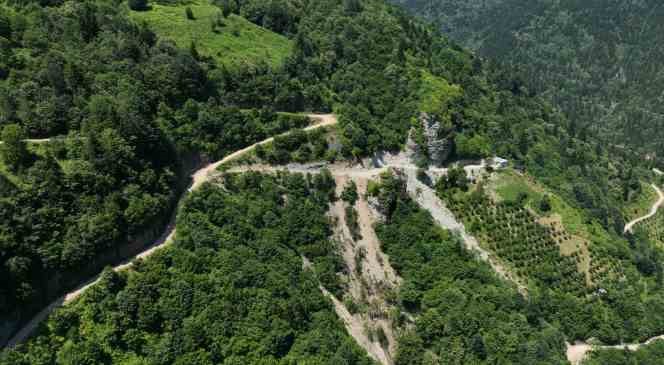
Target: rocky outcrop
x=436 y=140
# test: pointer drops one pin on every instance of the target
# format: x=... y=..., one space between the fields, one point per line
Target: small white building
x=498 y=163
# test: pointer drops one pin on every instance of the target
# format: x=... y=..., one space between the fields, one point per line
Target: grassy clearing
x=238 y=41
x=509 y=186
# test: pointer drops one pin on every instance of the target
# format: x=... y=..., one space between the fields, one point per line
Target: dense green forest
x=598 y=61
x=231 y=290
x=126 y=110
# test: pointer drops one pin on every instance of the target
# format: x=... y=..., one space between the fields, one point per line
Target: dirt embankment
x=369 y=275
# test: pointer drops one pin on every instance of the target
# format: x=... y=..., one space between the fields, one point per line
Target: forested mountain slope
x=231 y=290
x=105 y=89
x=599 y=61
x=135 y=105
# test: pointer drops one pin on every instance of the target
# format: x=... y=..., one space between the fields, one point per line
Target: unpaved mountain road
x=32 y=140
x=653 y=210
x=202 y=175
x=198 y=178
x=577 y=353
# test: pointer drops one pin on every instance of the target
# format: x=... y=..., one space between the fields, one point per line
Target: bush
x=5 y=26
x=139 y=5
x=545 y=204
x=349 y=193
x=521 y=198
x=352 y=223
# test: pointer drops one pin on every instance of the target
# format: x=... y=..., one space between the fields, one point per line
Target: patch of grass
x=235 y=42
x=509 y=186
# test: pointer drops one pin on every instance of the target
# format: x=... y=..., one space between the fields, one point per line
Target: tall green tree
x=13 y=149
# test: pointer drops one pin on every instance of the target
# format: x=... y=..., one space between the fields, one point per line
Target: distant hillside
x=599 y=61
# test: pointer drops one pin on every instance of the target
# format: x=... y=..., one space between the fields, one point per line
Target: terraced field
x=528 y=248
x=550 y=243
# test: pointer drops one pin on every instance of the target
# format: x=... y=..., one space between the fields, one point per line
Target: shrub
x=139 y=5
x=189 y=13
x=352 y=223
x=545 y=204
x=349 y=193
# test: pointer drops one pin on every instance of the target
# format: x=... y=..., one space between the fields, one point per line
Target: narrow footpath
x=35 y=141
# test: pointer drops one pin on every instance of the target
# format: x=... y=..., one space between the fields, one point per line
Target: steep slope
x=596 y=60
x=198 y=178
x=385 y=75
x=137 y=113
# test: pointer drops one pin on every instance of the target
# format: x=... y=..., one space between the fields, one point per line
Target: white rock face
x=439 y=146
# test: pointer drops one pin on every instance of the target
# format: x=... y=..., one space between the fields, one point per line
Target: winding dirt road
x=577 y=353
x=202 y=175
x=198 y=178
x=36 y=141
x=653 y=210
